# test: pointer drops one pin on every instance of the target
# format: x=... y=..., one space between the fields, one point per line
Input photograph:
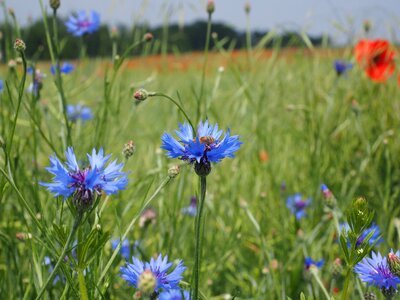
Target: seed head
x=129 y=149
x=19 y=45
x=174 y=171
x=148 y=37
x=394 y=263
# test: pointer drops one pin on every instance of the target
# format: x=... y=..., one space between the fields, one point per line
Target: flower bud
x=370 y=296
x=141 y=95
x=148 y=37
x=367 y=26
x=247 y=7
x=18 y=60
x=210 y=6
x=114 y=33
x=388 y=293
x=148 y=217
x=11 y=12
x=12 y=64
x=19 y=45
x=394 y=263
x=174 y=171
x=54 y=4
x=202 y=168
x=147 y=282
x=129 y=149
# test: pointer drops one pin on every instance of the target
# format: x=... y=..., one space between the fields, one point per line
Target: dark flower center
x=300 y=205
x=84 y=23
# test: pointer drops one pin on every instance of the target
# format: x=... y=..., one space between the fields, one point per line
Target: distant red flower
x=377 y=59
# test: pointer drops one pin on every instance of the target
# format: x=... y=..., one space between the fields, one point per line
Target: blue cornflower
x=75 y=112
x=309 y=262
x=138 y=272
x=203 y=148
x=191 y=210
x=341 y=67
x=84 y=183
x=81 y=23
x=66 y=68
x=375 y=271
x=374 y=238
x=175 y=295
x=125 y=249
x=297 y=205
x=1 y=85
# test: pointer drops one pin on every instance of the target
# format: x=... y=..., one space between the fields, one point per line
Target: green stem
x=203 y=74
x=321 y=285
x=62 y=254
x=197 y=251
x=176 y=104
x=346 y=284
x=82 y=285
x=114 y=255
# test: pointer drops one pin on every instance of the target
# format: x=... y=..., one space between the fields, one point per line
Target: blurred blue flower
x=297 y=205
x=84 y=183
x=47 y=262
x=81 y=23
x=326 y=191
x=175 y=295
x=158 y=268
x=191 y=210
x=37 y=84
x=204 y=147
x=1 y=85
x=375 y=271
x=341 y=67
x=66 y=68
x=75 y=112
x=309 y=262
x=374 y=238
x=29 y=70
x=125 y=249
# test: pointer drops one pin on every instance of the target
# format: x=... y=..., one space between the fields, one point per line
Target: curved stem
x=197 y=253
x=176 y=104
x=321 y=285
x=61 y=257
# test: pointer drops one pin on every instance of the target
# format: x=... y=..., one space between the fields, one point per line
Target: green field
x=301 y=125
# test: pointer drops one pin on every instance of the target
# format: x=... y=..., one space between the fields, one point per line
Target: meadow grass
x=314 y=126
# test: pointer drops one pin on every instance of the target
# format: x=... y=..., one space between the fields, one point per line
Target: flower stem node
x=141 y=95
x=55 y=4
x=174 y=171
x=210 y=6
x=202 y=168
x=147 y=282
x=19 y=45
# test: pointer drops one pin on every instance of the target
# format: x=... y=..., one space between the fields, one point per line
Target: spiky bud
x=12 y=64
x=147 y=282
x=247 y=7
x=369 y=296
x=19 y=45
x=114 y=33
x=174 y=171
x=148 y=37
x=11 y=12
x=210 y=6
x=129 y=149
x=149 y=216
x=367 y=25
x=394 y=263
x=54 y=4
x=140 y=95
x=388 y=293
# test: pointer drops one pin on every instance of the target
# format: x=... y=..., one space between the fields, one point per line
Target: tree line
x=167 y=39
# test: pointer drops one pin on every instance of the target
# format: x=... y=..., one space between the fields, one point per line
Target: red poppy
x=377 y=59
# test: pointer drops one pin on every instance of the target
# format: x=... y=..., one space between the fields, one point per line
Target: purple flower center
x=83 y=194
x=300 y=205
x=383 y=271
x=84 y=24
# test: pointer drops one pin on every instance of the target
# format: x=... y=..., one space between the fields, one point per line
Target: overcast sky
x=338 y=18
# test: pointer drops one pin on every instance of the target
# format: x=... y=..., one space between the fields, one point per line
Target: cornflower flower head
x=125 y=249
x=374 y=238
x=83 y=183
x=297 y=205
x=375 y=271
x=309 y=262
x=202 y=148
x=191 y=210
x=81 y=23
x=175 y=295
x=75 y=112
x=153 y=276
x=341 y=67
x=65 y=68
